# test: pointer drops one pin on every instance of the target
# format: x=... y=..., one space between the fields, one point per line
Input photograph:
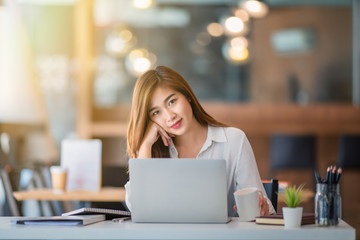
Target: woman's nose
x=170 y=115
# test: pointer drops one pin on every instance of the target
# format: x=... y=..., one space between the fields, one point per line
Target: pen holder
x=327 y=204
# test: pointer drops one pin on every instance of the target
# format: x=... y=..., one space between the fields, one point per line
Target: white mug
x=247 y=203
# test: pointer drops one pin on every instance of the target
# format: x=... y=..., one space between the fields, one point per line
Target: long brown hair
x=139 y=114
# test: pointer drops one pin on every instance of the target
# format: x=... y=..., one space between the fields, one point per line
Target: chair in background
x=44 y=181
x=10 y=207
x=38 y=177
x=292 y=152
x=271 y=188
x=349 y=152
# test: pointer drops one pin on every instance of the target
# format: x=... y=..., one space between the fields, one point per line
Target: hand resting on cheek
x=152 y=133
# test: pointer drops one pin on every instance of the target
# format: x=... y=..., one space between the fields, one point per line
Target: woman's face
x=171 y=110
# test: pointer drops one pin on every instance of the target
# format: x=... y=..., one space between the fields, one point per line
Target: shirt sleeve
x=128 y=195
x=246 y=171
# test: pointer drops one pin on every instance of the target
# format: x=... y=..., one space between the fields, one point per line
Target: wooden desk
x=129 y=230
x=104 y=195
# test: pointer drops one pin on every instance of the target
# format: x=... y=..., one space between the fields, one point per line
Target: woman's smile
x=177 y=124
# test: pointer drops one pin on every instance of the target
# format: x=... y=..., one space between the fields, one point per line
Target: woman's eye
x=172 y=101
x=155 y=113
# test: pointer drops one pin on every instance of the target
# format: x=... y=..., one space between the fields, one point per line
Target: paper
x=82 y=158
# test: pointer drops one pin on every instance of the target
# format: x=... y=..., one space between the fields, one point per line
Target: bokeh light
x=234 y=24
x=215 y=29
x=142 y=4
x=255 y=8
x=139 y=61
x=235 y=50
x=120 y=41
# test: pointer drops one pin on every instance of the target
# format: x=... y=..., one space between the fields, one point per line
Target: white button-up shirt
x=232 y=145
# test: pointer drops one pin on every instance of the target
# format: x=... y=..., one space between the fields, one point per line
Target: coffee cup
x=247 y=203
x=58 y=178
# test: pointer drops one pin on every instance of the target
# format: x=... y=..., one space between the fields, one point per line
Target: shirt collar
x=214 y=134
x=172 y=150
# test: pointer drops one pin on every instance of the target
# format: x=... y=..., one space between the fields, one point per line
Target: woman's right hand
x=152 y=134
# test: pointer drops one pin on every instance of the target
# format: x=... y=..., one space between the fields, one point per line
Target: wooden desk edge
x=104 y=195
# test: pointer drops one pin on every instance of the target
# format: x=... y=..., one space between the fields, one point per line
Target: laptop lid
x=178 y=190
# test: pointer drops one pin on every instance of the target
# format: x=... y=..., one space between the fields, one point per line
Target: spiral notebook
x=109 y=213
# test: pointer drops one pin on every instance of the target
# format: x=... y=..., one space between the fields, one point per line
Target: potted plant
x=292 y=213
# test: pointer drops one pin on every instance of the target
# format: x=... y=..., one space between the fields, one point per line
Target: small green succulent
x=293 y=195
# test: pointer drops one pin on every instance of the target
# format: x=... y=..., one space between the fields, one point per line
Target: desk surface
x=129 y=230
x=104 y=195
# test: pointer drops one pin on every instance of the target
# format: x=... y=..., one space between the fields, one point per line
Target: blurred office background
x=272 y=68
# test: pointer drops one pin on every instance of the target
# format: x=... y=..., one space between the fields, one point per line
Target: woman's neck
x=189 y=144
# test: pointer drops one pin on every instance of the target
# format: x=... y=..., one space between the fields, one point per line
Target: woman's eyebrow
x=165 y=100
x=170 y=96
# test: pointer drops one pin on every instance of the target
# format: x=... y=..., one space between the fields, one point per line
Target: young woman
x=167 y=120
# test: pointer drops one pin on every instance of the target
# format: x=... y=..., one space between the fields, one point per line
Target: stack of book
x=278 y=219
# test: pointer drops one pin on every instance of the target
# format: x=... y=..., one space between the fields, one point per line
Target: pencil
x=327 y=175
x=338 y=175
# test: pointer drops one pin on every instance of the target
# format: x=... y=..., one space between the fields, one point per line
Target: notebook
x=109 y=213
x=178 y=190
x=81 y=220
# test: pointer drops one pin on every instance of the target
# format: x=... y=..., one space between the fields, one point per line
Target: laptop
x=167 y=190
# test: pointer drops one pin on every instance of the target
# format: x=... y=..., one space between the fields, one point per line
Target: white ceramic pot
x=292 y=216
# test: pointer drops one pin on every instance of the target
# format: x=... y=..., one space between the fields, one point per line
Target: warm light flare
x=215 y=29
x=142 y=4
x=120 y=41
x=234 y=24
x=235 y=50
x=139 y=60
x=141 y=64
x=255 y=8
x=239 y=42
x=242 y=14
x=238 y=53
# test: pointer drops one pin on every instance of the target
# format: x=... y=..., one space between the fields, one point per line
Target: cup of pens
x=328 y=198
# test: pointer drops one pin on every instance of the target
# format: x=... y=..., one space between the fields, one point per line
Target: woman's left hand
x=264 y=205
